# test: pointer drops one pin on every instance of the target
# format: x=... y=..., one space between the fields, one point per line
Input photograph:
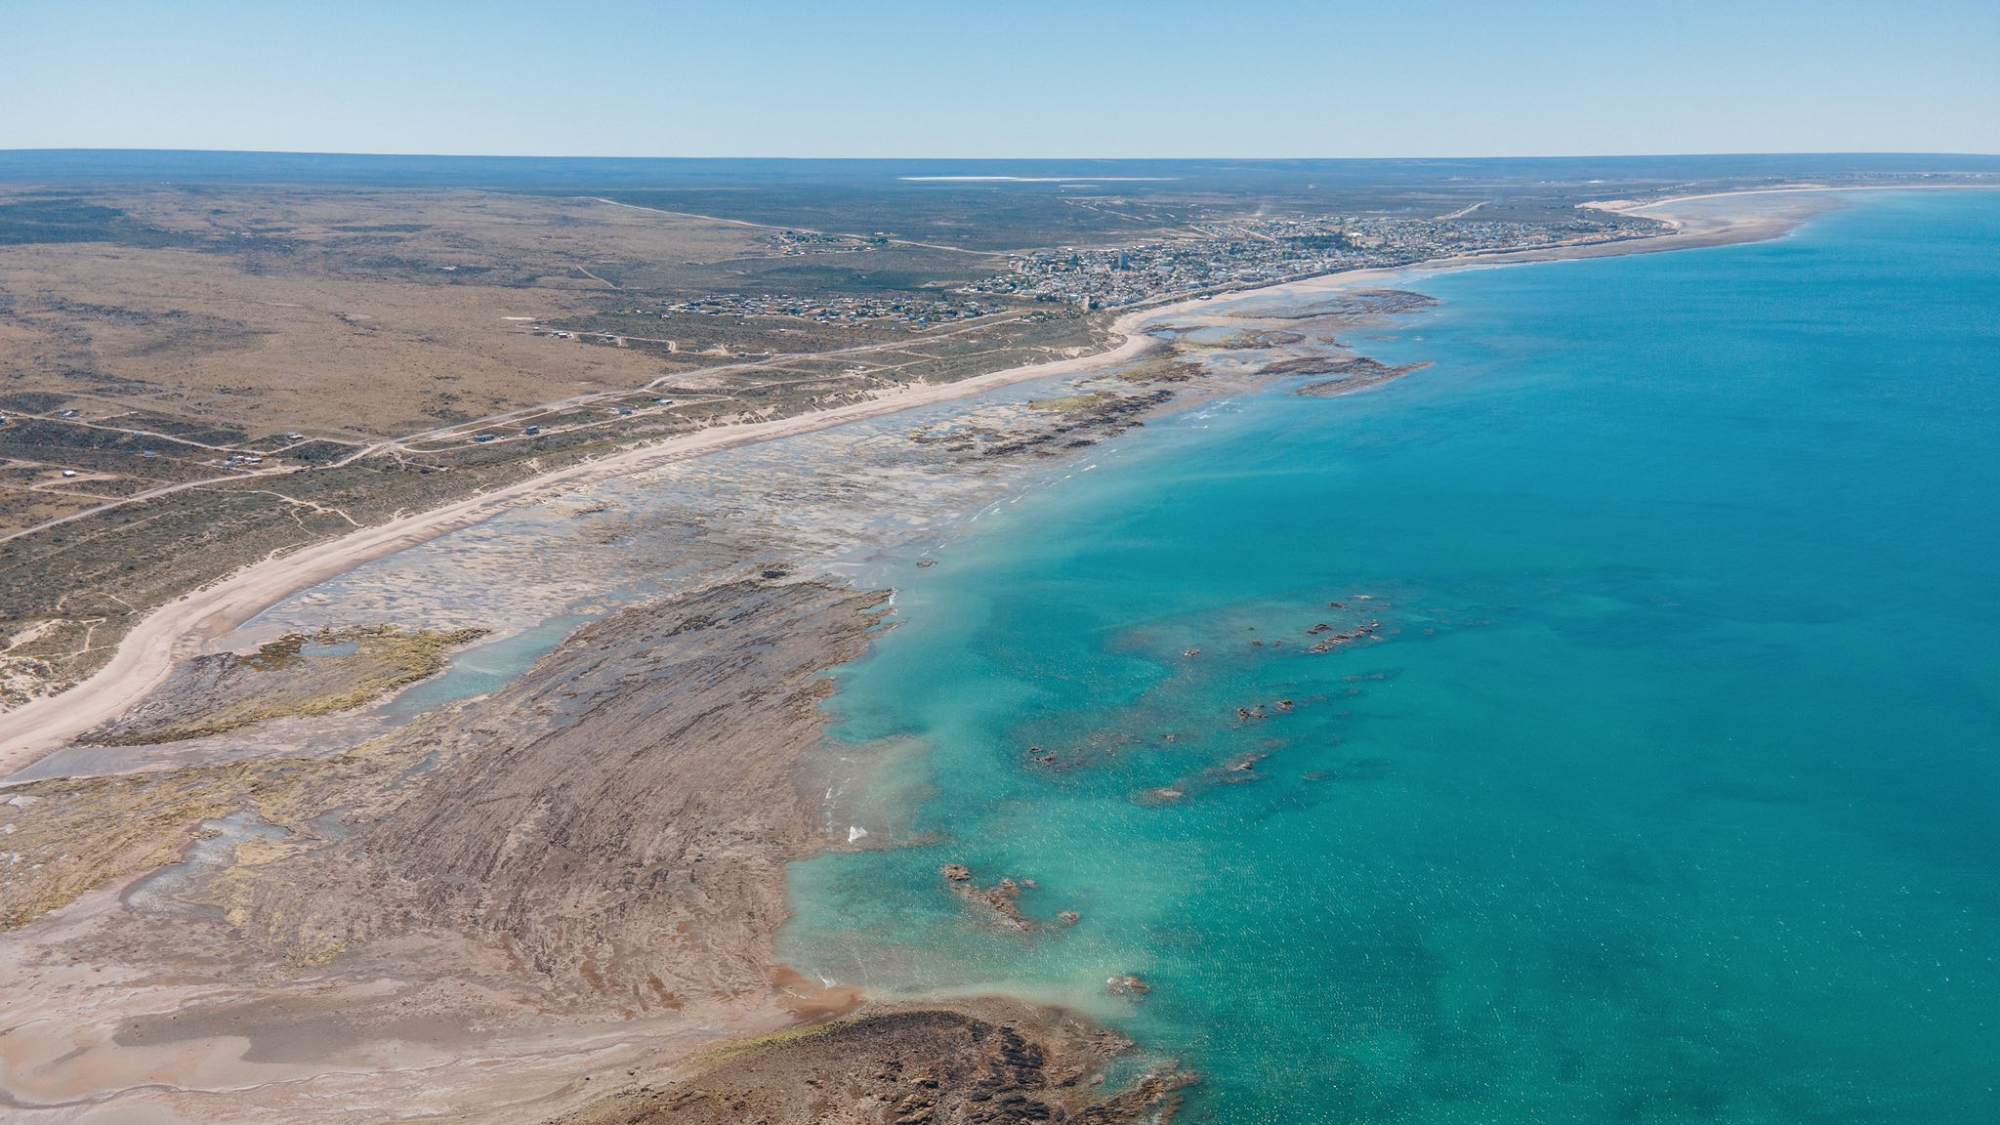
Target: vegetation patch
x=44 y=220
x=60 y=839
x=296 y=675
x=1161 y=369
x=1075 y=404
x=64 y=837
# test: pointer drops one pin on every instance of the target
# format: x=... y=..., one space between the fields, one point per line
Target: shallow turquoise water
x=1671 y=792
x=485 y=667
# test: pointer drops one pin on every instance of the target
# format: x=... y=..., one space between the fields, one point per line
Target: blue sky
x=1231 y=78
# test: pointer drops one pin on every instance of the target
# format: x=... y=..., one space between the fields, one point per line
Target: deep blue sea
x=1665 y=788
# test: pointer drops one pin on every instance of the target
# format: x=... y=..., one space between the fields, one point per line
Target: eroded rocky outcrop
x=978 y=1065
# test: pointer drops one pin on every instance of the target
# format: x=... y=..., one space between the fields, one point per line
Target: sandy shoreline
x=147 y=654
x=180 y=628
x=528 y=847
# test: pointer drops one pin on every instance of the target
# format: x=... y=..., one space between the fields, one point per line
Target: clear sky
x=1074 y=78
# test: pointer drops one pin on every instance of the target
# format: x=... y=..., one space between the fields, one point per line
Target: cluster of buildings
x=885 y=310
x=1259 y=251
x=800 y=243
x=1226 y=254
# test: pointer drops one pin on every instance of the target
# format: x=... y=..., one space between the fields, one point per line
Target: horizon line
x=1037 y=159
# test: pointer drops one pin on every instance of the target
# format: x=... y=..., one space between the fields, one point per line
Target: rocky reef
x=1355 y=373
x=979 y=1064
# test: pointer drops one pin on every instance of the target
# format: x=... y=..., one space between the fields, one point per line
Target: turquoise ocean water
x=1671 y=791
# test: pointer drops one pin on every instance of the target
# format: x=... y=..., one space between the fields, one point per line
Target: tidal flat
x=580 y=866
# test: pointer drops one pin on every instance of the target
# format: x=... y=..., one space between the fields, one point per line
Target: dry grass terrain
x=358 y=315
x=192 y=378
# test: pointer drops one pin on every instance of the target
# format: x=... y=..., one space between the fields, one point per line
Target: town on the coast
x=1213 y=257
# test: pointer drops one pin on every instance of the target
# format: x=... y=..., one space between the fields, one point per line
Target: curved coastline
x=146 y=655
x=1817 y=201
x=182 y=627
x=177 y=630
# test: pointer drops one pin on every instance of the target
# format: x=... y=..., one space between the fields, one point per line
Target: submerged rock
x=1001 y=898
x=1127 y=986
